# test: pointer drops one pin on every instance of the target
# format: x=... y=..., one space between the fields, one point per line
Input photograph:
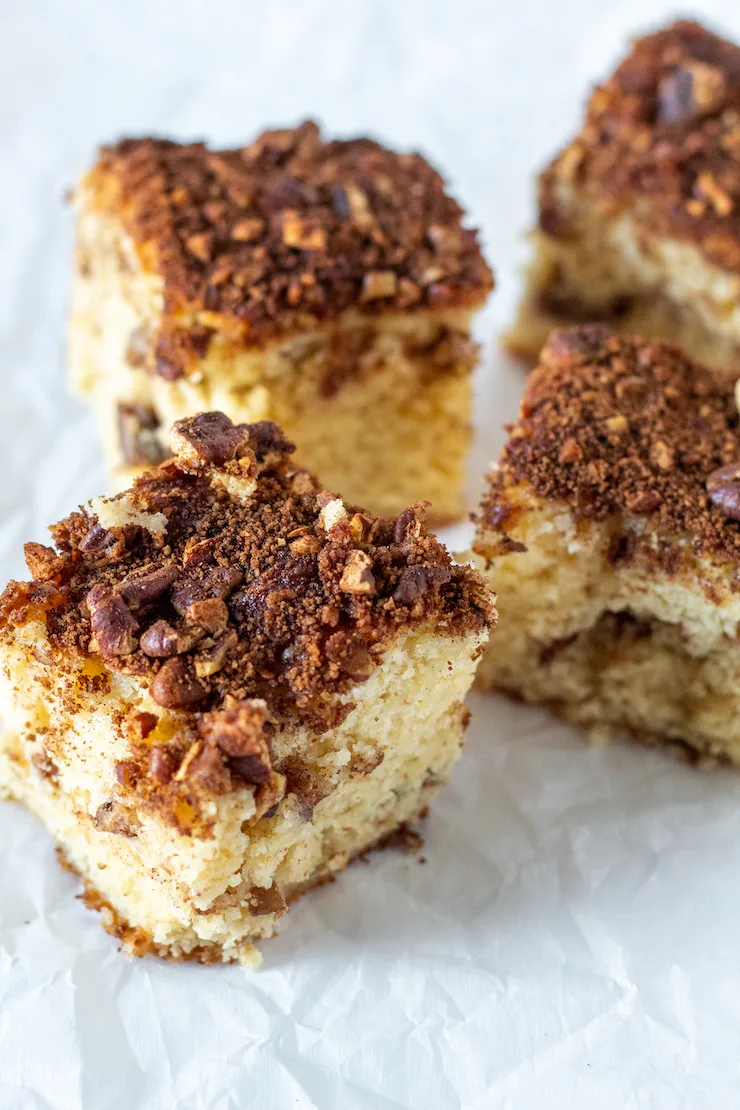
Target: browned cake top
x=290 y=229
x=664 y=131
x=613 y=425
x=227 y=575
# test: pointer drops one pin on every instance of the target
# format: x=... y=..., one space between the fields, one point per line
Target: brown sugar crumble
x=292 y=229
x=611 y=425
x=663 y=133
x=243 y=595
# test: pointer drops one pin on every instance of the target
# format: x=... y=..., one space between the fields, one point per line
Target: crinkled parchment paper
x=571 y=937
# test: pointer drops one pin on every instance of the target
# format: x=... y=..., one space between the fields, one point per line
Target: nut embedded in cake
x=639 y=221
x=612 y=529
x=328 y=286
x=223 y=684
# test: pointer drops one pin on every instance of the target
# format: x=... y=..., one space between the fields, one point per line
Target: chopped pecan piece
x=99 y=541
x=42 y=562
x=570 y=451
x=137 y=435
x=723 y=487
x=445 y=240
x=301 y=234
x=126 y=772
x=212 y=660
x=266 y=438
x=643 y=501
x=349 y=202
x=209 y=770
x=691 y=90
x=417 y=580
x=176 y=686
x=361 y=528
x=218 y=582
x=410 y=522
x=357 y=576
x=306 y=544
x=162 y=764
x=113 y=625
x=197 y=551
x=140 y=589
x=161 y=640
x=377 y=284
x=210 y=437
x=247 y=230
x=141 y=723
x=239 y=732
x=201 y=245
x=305 y=784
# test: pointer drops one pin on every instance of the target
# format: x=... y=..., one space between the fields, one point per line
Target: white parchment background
x=573 y=940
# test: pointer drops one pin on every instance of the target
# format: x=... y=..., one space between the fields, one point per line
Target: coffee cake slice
x=639 y=216
x=328 y=286
x=612 y=529
x=223 y=684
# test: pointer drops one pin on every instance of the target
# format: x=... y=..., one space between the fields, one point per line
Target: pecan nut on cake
x=328 y=286
x=224 y=683
x=612 y=528
x=639 y=216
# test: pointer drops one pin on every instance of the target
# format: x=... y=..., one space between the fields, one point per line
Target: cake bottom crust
x=136 y=941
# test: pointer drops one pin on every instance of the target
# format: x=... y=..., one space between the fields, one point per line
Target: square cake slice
x=328 y=286
x=612 y=528
x=224 y=683
x=639 y=216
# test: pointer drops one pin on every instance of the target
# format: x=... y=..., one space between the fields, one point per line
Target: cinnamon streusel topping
x=240 y=593
x=613 y=425
x=286 y=232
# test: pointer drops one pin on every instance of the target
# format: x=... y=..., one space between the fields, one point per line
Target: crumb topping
x=285 y=232
x=664 y=133
x=615 y=425
x=244 y=612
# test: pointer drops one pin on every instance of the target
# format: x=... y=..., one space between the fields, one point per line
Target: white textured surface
x=572 y=940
